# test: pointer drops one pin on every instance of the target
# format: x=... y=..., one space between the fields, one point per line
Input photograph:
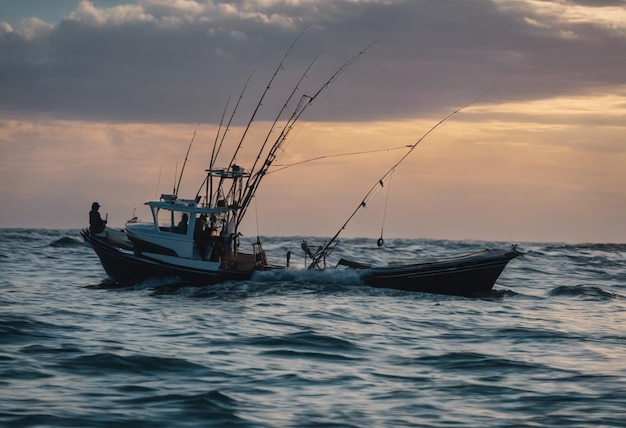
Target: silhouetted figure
x=200 y=234
x=182 y=224
x=96 y=224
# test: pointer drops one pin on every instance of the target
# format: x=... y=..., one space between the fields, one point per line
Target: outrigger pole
x=327 y=248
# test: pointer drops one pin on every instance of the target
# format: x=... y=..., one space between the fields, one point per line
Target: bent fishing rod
x=260 y=103
x=305 y=102
x=327 y=248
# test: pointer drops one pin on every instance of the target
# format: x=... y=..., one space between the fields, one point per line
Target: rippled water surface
x=302 y=349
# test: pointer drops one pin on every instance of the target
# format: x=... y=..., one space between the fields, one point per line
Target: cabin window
x=173 y=221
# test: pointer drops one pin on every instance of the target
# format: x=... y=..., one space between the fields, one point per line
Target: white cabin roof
x=171 y=202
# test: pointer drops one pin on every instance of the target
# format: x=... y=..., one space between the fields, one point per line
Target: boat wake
x=286 y=282
x=310 y=276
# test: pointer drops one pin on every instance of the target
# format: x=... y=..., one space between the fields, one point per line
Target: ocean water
x=300 y=349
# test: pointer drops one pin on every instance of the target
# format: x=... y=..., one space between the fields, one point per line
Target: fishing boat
x=185 y=240
x=196 y=241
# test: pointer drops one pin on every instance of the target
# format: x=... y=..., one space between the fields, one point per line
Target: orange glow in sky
x=99 y=103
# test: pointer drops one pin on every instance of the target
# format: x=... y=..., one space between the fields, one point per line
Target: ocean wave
x=66 y=242
x=583 y=291
x=16 y=329
x=136 y=364
x=462 y=361
x=215 y=406
x=291 y=353
x=304 y=340
x=306 y=348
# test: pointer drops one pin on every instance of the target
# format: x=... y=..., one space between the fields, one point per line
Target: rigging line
x=381 y=241
x=182 y=170
x=281 y=167
x=328 y=245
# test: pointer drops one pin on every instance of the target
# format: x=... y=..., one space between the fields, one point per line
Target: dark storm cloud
x=180 y=61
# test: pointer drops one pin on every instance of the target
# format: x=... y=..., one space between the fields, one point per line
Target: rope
x=381 y=241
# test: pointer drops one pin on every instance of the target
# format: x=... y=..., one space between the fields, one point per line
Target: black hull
x=125 y=268
x=464 y=276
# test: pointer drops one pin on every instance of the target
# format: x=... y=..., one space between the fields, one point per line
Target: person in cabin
x=96 y=224
x=200 y=235
x=182 y=224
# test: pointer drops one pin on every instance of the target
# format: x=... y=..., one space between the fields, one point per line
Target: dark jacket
x=96 y=224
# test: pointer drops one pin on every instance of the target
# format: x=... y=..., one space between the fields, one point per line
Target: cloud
x=115 y=16
x=177 y=61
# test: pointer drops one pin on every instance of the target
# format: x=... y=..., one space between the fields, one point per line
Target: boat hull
x=126 y=268
x=465 y=275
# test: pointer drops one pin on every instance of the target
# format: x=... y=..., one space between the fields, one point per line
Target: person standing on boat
x=96 y=224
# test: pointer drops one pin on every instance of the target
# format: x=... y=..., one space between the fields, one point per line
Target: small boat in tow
x=196 y=241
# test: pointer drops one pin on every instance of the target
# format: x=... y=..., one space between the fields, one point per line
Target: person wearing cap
x=96 y=224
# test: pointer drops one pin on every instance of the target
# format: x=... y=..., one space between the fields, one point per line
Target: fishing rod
x=232 y=189
x=282 y=110
x=328 y=246
x=230 y=120
x=215 y=153
x=209 y=183
x=182 y=170
x=305 y=102
x=256 y=109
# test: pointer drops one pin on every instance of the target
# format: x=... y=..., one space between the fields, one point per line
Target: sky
x=99 y=101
